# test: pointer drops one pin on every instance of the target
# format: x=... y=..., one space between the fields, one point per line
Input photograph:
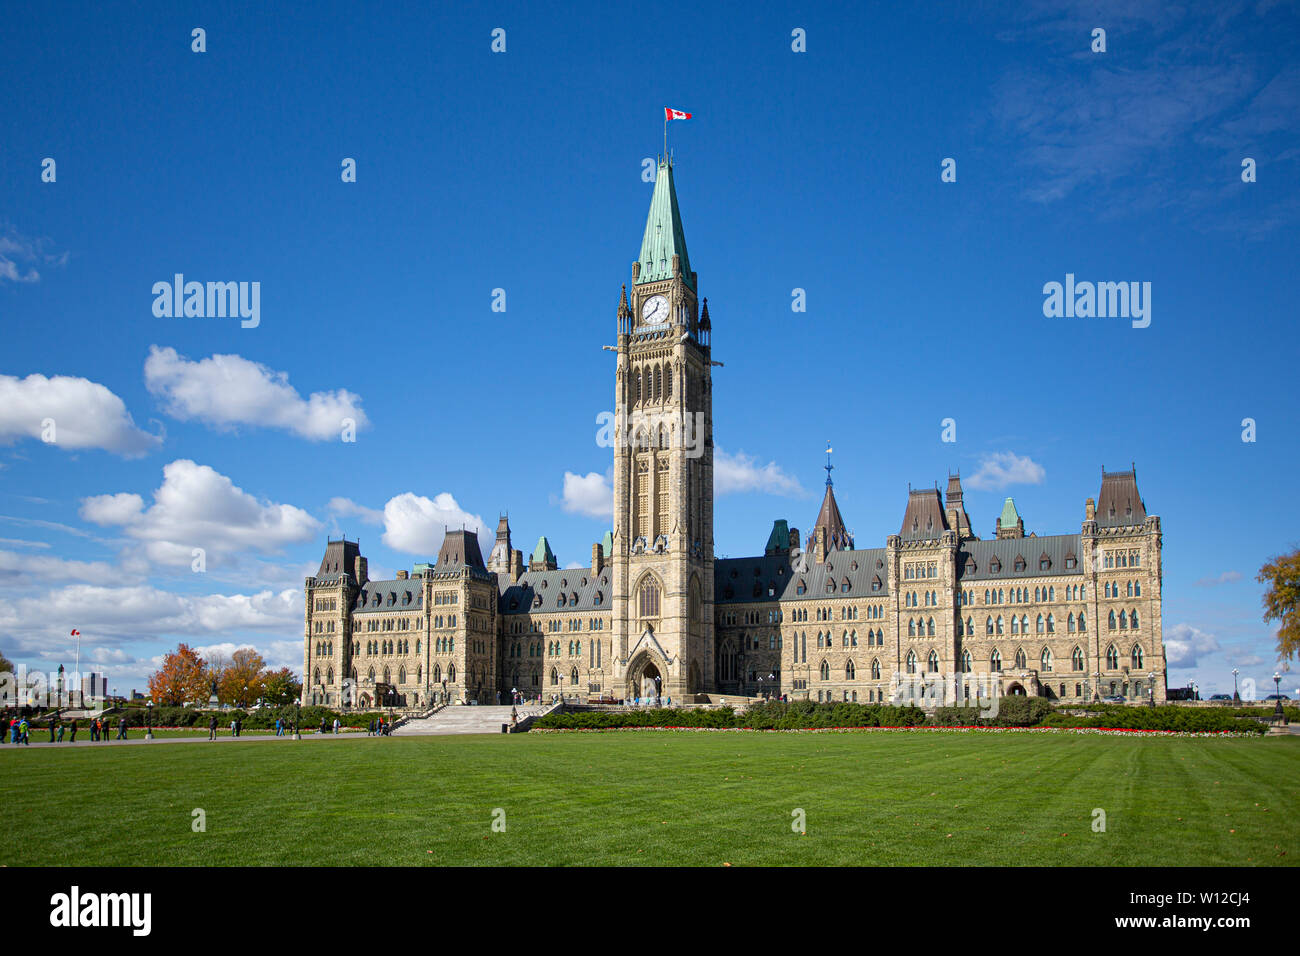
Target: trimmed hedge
x=1166 y=717
x=773 y=715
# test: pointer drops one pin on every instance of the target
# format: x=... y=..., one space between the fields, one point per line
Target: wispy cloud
x=735 y=473
x=1227 y=577
x=1003 y=469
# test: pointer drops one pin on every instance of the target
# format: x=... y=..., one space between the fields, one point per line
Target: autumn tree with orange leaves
x=183 y=677
x=1282 y=600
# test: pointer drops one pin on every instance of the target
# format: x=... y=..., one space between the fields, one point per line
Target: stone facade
x=936 y=613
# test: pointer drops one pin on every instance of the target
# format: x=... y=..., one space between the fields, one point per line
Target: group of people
x=379 y=728
x=18 y=730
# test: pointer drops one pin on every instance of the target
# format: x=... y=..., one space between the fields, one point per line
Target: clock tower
x=663 y=468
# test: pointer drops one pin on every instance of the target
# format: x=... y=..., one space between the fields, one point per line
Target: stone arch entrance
x=1016 y=690
x=646 y=678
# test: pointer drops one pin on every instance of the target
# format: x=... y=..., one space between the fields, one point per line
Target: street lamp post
x=1151 y=687
x=148 y=720
x=297 y=709
x=1196 y=691
x=1236 y=698
x=1278 y=713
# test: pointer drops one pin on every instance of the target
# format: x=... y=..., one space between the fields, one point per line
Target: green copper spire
x=542 y=554
x=1009 y=514
x=664 y=237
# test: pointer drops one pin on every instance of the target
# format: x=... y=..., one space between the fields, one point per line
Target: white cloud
x=84 y=414
x=347 y=508
x=1185 y=644
x=1227 y=577
x=590 y=494
x=197 y=507
x=1000 y=469
x=740 y=473
x=415 y=524
x=116 y=614
x=21 y=570
x=229 y=390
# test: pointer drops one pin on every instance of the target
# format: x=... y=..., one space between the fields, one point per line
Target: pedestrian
x=121 y=727
x=336 y=725
x=278 y=730
x=212 y=727
x=94 y=729
x=60 y=731
x=72 y=731
x=232 y=726
x=370 y=731
x=239 y=726
x=24 y=730
x=51 y=730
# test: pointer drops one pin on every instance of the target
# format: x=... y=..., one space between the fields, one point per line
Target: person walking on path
x=51 y=730
x=212 y=727
x=72 y=731
x=94 y=729
x=60 y=732
x=370 y=732
x=336 y=725
x=121 y=727
x=24 y=732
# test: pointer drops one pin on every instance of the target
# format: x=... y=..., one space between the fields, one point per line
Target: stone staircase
x=466 y=719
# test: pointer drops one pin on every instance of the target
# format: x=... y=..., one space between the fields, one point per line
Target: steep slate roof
x=393 y=596
x=924 y=519
x=1119 y=494
x=1057 y=547
x=664 y=237
x=339 y=561
x=734 y=579
x=837 y=535
x=582 y=592
x=460 y=548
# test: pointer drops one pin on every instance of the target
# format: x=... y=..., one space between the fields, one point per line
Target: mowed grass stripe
x=890 y=798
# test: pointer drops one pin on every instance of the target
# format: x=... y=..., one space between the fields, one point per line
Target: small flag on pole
x=672 y=114
x=75 y=633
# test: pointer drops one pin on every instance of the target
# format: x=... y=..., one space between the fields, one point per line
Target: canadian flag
x=672 y=114
x=75 y=633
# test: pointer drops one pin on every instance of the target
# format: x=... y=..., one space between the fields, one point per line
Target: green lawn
x=893 y=798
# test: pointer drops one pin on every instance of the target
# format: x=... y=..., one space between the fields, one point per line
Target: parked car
x=1277 y=697
x=1114 y=699
x=1221 y=698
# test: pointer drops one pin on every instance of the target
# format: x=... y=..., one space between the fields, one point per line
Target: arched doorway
x=645 y=679
x=1016 y=690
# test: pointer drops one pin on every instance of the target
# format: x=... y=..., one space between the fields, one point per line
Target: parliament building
x=937 y=612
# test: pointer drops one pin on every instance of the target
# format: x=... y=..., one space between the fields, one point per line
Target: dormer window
x=1071 y=561
x=995 y=566
x=875 y=583
x=1044 y=562
x=802 y=587
x=1020 y=564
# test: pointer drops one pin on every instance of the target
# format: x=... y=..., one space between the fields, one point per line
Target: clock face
x=654 y=311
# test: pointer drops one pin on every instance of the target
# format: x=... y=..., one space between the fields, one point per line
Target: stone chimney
x=361 y=570
x=1090 y=510
x=401 y=575
x=597 y=558
x=516 y=565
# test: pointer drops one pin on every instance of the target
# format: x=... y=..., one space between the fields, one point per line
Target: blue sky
x=521 y=171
